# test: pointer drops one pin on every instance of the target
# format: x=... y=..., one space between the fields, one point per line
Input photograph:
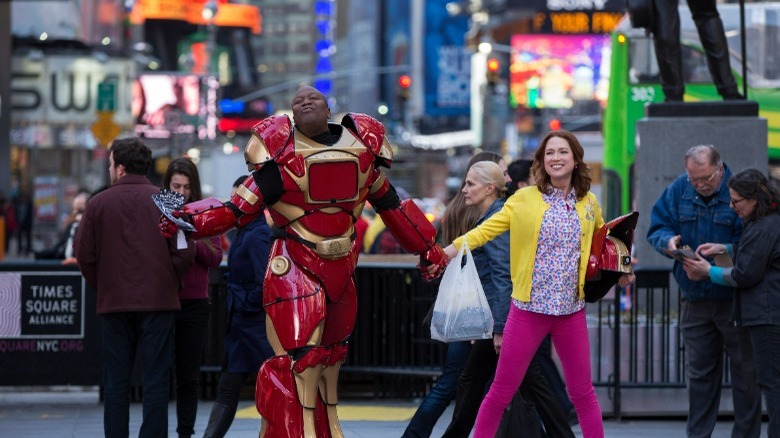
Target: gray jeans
x=707 y=327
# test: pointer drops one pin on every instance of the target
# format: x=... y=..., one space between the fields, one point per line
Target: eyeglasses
x=734 y=201
x=701 y=180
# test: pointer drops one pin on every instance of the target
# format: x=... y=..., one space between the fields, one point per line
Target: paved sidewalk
x=77 y=412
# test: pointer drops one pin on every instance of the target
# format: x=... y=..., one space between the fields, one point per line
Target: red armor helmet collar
x=610 y=255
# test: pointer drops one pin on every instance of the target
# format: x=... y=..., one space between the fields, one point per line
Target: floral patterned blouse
x=555 y=276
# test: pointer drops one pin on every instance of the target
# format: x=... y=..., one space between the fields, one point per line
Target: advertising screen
x=166 y=104
x=556 y=71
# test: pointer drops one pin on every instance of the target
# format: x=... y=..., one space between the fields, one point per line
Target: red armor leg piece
x=329 y=387
x=276 y=399
x=340 y=317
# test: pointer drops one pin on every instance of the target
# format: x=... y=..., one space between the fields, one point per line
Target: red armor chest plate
x=333 y=181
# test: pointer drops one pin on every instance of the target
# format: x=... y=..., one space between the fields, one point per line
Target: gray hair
x=703 y=154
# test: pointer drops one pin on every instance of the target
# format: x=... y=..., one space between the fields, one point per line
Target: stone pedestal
x=664 y=136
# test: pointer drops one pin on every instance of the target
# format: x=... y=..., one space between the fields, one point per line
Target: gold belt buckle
x=334 y=248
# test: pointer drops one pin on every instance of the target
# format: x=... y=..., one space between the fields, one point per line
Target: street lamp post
x=209 y=12
x=490 y=106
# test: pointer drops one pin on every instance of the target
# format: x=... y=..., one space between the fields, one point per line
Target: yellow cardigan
x=522 y=215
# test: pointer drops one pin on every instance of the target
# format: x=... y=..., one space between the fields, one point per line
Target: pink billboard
x=556 y=71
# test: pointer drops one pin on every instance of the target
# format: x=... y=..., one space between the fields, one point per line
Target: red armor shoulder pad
x=275 y=132
x=372 y=132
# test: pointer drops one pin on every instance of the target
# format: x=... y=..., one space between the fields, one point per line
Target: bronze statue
x=666 y=37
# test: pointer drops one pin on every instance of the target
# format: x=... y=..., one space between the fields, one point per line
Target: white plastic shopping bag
x=461 y=311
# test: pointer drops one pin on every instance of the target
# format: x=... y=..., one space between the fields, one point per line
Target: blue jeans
x=150 y=334
x=766 y=350
x=441 y=395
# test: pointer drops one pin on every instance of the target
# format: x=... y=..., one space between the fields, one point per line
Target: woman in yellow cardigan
x=551 y=228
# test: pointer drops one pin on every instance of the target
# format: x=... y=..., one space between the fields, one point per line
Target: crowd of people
x=531 y=226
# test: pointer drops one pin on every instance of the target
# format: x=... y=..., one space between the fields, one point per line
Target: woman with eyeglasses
x=756 y=276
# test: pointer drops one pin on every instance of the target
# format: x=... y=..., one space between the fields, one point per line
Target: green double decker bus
x=634 y=82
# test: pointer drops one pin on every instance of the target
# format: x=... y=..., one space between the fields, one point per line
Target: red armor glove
x=167 y=228
x=434 y=256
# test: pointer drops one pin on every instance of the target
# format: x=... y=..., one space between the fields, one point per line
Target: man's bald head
x=310 y=111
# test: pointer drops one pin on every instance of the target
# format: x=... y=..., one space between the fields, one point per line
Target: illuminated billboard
x=168 y=104
x=556 y=71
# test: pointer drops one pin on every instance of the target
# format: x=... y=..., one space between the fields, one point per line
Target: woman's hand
x=497 y=338
x=626 y=279
x=711 y=249
x=697 y=269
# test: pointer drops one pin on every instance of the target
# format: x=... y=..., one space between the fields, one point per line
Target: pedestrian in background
x=246 y=345
x=756 y=276
x=192 y=320
x=519 y=172
x=63 y=249
x=551 y=229
x=458 y=218
x=691 y=211
x=9 y=219
x=137 y=275
x=24 y=212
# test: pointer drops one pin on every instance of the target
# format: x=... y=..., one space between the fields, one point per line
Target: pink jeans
x=523 y=333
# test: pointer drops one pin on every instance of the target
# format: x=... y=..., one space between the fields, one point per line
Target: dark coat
x=757 y=273
x=57 y=251
x=246 y=345
x=122 y=254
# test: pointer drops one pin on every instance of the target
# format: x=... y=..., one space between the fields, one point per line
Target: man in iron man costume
x=314 y=177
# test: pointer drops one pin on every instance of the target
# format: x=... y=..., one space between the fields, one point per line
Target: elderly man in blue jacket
x=693 y=210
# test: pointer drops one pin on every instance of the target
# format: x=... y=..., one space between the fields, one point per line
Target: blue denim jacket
x=492 y=260
x=680 y=210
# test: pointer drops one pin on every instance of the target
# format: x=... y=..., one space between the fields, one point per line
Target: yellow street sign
x=104 y=129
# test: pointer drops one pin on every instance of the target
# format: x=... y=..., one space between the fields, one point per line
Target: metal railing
x=635 y=336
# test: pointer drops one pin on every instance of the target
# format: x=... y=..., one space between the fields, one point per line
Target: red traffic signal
x=493 y=65
x=554 y=124
x=405 y=81
x=493 y=68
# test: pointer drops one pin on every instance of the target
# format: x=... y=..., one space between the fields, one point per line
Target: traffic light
x=493 y=71
x=404 y=85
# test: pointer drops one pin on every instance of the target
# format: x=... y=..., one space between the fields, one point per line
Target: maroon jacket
x=122 y=255
x=208 y=254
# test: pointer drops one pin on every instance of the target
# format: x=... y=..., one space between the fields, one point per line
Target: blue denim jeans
x=434 y=404
x=766 y=350
x=150 y=335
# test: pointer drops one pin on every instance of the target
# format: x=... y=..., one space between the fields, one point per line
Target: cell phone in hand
x=684 y=252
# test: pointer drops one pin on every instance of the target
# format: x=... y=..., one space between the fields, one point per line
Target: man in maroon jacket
x=137 y=274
